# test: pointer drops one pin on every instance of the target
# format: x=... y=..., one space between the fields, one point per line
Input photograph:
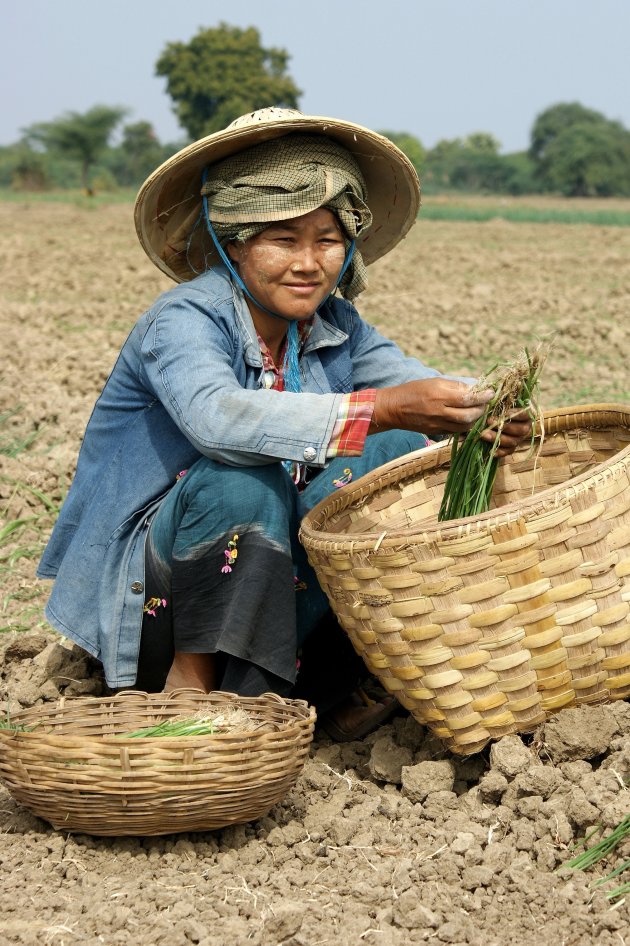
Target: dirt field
x=386 y=841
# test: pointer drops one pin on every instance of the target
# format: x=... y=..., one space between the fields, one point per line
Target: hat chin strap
x=228 y=262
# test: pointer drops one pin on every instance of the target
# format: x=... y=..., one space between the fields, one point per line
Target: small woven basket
x=77 y=771
x=484 y=626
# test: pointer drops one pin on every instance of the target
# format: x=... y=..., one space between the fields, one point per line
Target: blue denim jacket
x=189 y=381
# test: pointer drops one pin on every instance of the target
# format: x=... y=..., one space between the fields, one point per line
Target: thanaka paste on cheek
x=266 y=257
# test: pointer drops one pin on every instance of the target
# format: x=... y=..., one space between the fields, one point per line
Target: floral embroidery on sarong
x=342 y=480
x=231 y=554
x=153 y=604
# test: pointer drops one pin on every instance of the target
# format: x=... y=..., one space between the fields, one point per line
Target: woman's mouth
x=302 y=289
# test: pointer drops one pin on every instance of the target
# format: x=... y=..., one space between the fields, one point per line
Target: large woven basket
x=77 y=772
x=484 y=626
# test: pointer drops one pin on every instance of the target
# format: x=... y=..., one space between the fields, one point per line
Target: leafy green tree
x=409 y=145
x=590 y=159
x=553 y=121
x=580 y=152
x=140 y=139
x=475 y=164
x=223 y=73
x=440 y=161
x=23 y=169
x=481 y=142
x=520 y=176
x=81 y=137
x=30 y=173
x=138 y=154
x=472 y=163
x=478 y=171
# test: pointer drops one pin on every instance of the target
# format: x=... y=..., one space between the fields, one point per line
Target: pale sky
x=436 y=68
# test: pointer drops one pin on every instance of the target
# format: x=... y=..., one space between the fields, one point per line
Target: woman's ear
x=234 y=251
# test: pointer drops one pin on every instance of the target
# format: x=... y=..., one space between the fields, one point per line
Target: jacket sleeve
x=187 y=360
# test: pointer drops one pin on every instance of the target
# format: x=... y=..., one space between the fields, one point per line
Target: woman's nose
x=305 y=260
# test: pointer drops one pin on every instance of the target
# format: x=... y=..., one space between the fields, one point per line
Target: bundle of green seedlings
x=474 y=462
x=605 y=847
x=229 y=719
x=174 y=728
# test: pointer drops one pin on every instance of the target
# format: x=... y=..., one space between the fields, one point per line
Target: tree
x=580 y=152
x=482 y=142
x=520 y=175
x=223 y=73
x=550 y=123
x=440 y=161
x=472 y=163
x=478 y=171
x=82 y=137
x=23 y=169
x=590 y=159
x=138 y=154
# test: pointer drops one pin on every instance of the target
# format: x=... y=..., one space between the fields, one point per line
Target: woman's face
x=293 y=265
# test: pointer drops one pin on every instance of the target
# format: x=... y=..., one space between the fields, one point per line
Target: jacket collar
x=322 y=334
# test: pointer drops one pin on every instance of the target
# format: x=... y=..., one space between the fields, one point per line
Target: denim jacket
x=189 y=381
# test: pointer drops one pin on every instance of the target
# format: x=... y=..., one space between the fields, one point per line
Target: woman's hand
x=433 y=406
x=439 y=406
x=514 y=431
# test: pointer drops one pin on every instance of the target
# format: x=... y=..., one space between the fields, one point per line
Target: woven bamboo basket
x=484 y=626
x=77 y=771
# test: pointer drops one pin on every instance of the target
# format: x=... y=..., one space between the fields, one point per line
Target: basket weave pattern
x=76 y=770
x=484 y=626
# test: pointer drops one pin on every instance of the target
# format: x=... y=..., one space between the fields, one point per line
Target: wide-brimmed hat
x=169 y=202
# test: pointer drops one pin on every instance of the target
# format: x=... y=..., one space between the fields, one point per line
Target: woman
x=240 y=399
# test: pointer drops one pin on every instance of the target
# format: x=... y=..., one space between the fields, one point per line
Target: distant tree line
x=574 y=151
x=225 y=72
x=75 y=151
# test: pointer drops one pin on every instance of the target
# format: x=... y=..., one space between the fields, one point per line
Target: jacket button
x=309 y=454
x=137 y=587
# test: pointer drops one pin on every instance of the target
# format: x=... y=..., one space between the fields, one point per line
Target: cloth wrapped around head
x=286 y=178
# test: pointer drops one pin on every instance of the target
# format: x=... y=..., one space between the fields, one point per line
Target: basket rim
x=556 y=420
x=300 y=713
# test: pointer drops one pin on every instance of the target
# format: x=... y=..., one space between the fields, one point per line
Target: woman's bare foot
x=192 y=671
x=354 y=719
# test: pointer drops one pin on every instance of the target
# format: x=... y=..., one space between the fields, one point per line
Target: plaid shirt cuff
x=351 y=426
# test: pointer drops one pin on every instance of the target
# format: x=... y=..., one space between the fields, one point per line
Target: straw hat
x=169 y=202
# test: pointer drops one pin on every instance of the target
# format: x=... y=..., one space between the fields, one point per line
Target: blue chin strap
x=291 y=368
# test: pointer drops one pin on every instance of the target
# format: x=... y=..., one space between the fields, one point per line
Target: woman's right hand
x=433 y=406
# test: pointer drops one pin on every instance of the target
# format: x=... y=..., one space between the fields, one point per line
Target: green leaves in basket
x=473 y=466
x=174 y=728
x=229 y=717
x=8 y=726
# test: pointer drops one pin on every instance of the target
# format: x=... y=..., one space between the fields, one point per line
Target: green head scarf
x=286 y=178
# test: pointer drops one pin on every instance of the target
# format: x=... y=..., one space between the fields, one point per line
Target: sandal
x=376 y=713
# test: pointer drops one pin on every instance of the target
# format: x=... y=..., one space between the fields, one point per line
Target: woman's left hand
x=513 y=433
